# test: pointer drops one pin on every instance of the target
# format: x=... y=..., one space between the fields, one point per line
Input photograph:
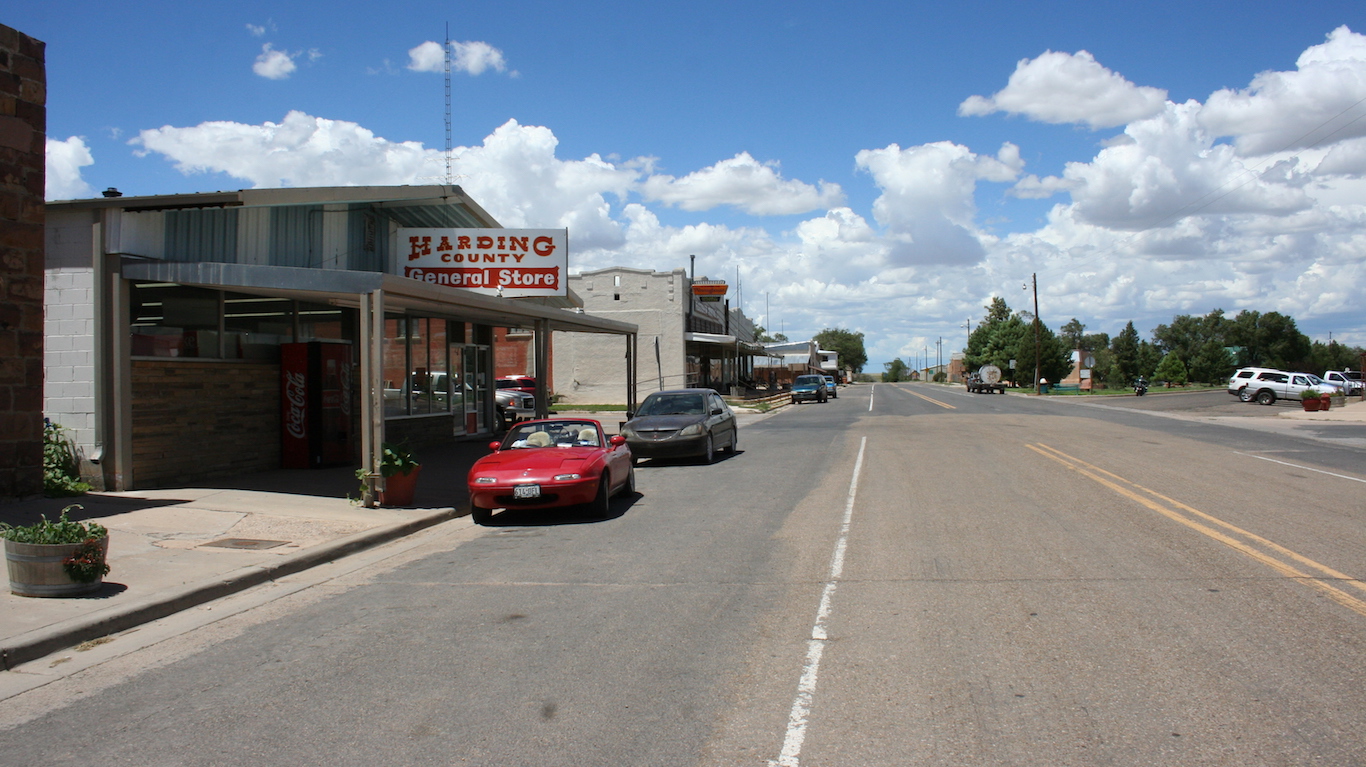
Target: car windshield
x=1313 y=379
x=810 y=380
x=673 y=404
x=532 y=434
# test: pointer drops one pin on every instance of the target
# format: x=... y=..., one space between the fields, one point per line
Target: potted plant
x=1326 y=401
x=1309 y=398
x=56 y=559
x=400 y=470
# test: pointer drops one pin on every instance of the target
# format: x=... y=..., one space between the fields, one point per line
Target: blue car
x=808 y=387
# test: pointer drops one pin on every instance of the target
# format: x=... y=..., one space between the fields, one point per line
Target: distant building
x=682 y=340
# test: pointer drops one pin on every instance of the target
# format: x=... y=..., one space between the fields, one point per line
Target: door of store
x=475 y=361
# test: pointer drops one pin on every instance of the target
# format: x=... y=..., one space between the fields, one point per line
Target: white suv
x=1237 y=383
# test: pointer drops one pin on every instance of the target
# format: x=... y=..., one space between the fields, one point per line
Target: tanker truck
x=987 y=380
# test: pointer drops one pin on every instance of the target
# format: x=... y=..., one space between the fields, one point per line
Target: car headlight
x=628 y=432
x=484 y=480
x=566 y=477
x=692 y=430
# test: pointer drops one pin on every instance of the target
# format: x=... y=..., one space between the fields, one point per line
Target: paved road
x=904 y=575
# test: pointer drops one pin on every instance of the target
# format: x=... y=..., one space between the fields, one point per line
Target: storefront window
x=321 y=322
x=255 y=326
x=174 y=321
x=397 y=387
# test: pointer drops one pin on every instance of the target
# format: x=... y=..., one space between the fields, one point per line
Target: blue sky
x=881 y=167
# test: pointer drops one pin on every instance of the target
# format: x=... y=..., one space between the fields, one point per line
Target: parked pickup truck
x=987 y=380
x=1348 y=380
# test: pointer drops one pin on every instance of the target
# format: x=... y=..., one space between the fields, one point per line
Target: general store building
x=167 y=318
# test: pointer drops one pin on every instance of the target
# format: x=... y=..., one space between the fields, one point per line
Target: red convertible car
x=551 y=463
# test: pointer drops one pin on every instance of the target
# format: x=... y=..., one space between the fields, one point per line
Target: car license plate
x=526 y=491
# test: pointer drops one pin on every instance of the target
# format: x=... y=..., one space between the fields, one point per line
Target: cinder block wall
x=188 y=415
x=23 y=144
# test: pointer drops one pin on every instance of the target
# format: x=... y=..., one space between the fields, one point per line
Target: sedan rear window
x=673 y=404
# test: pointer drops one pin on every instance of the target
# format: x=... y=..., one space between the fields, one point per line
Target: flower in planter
x=86 y=563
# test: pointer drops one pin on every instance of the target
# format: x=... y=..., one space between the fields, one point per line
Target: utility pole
x=692 y=278
x=1038 y=389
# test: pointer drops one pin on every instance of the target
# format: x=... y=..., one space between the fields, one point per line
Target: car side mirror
x=630 y=414
x=494 y=446
x=717 y=411
x=617 y=440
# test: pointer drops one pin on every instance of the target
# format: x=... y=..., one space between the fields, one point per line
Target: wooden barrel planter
x=36 y=569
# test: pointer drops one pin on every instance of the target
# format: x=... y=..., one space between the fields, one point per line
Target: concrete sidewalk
x=175 y=548
x=1354 y=411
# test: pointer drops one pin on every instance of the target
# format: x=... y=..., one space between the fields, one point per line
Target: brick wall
x=199 y=419
x=23 y=144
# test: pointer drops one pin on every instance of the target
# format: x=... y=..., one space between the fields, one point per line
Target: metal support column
x=371 y=322
x=542 y=351
x=631 y=354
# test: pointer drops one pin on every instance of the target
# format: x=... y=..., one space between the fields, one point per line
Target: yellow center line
x=928 y=399
x=1173 y=509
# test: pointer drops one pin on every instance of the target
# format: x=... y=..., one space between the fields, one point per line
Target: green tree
x=1171 y=369
x=1199 y=343
x=762 y=335
x=1333 y=356
x=1004 y=336
x=1124 y=365
x=1148 y=357
x=848 y=344
x=1269 y=340
x=1073 y=334
x=894 y=371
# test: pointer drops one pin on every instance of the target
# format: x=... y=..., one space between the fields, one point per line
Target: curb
x=49 y=639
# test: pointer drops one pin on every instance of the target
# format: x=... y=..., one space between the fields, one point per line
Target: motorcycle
x=1140 y=387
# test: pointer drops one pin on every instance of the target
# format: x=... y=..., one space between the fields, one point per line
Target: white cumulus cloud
x=301 y=150
x=1319 y=103
x=64 y=161
x=745 y=184
x=927 y=202
x=1172 y=168
x=473 y=58
x=273 y=64
x=1069 y=88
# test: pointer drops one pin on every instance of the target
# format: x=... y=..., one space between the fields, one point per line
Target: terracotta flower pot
x=1327 y=402
x=36 y=570
x=399 y=488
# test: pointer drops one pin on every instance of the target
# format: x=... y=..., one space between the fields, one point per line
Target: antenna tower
x=446 y=49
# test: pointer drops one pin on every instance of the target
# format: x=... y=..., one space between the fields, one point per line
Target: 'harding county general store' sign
x=507 y=262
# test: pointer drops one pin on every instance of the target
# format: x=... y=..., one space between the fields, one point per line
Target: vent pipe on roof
x=112 y=192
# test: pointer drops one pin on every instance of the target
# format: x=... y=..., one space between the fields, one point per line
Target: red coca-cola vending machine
x=315 y=405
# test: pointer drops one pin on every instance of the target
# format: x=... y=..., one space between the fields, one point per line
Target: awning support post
x=542 y=352
x=372 y=394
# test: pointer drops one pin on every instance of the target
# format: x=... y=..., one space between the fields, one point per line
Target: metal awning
x=344 y=288
x=729 y=342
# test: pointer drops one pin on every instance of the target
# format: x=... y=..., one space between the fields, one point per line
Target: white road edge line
x=790 y=756
x=1297 y=466
x=870 y=397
